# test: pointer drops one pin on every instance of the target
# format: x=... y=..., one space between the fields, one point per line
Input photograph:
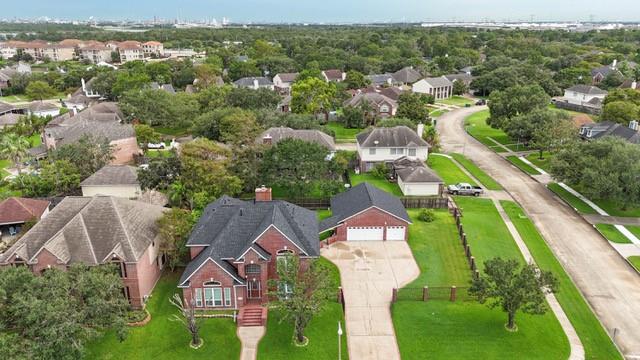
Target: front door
x=253 y=289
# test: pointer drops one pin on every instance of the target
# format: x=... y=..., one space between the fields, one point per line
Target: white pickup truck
x=464 y=189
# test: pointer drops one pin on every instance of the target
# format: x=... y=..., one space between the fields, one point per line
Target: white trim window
x=411 y=152
x=198 y=295
x=208 y=297
x=372 y=151
x=217 y=296
x=227 y=297
x=392 y=151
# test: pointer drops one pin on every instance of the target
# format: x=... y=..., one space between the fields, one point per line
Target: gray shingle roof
x=372 y=97
x=608 y=128
x=90 y=230
x=407 y=75
x=398 y=136
x=249 y=81
x=415 y=171
x=287 y=77
x=382 y=79
x=438 y=81
x=315 y=136
x=587 y=89
x=360 y=198
x=229 y=226
x=113 y=175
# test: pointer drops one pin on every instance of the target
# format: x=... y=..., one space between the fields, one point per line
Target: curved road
x=608 y=283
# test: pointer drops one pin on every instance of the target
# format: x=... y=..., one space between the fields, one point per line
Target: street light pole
x=339 y=341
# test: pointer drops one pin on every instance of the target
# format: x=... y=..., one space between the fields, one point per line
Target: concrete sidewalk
x=249 y=338
x=369 y=271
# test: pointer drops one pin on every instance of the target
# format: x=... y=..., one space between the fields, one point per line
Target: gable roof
x=360 y=198
x=113 y=175
x=415 y=171
x=38 y=106
x=587 y=89
x=407 y=75
x=228 y=227
x=315 y=136
x=382 y=79
x=250 y=81
x=16 y=210
x=397 y=136
x=90 y=230
x=372 y=97
x=436 y=82
x=287 y=77
x=333 y=74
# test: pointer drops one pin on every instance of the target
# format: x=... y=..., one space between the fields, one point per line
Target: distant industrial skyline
x=331 y=11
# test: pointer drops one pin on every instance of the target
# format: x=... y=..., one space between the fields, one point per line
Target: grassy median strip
x=448 y=170
x=612 y=234
x=596 y=342
x=523 y=165
x=635 y=261
x=573 y=201
x=472 y=168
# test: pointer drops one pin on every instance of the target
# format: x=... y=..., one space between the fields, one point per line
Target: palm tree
x=15 y=148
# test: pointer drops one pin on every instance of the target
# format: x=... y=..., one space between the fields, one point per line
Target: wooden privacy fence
x=409 y=202
x=457 y=214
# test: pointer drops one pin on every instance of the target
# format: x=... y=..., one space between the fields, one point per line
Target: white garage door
x=395 y=233
x=365 y=233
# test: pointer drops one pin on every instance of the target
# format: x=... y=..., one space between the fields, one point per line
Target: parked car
x=157 y=146
x=481 y=102
x=464 y=189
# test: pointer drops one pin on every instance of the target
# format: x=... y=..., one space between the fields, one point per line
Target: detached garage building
x=366 y=213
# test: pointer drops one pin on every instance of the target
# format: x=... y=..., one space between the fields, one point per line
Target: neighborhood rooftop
x=113 y=175
x=398 y=136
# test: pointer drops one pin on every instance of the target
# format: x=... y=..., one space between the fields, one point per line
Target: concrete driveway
x=369 y=271
x=608 y=283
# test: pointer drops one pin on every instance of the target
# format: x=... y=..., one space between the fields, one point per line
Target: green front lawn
x=448 y=170
x=382 y=184
x=277 y=343
x=571 y=199
x=472 y=168
x=4 y=164
x=612 y=234
x=476 y=126
x=635 y=261
x=437 y=113
x=595 y=340
x=283 y=192
x=439 y=329
x=438 y=251
x=522 y=165
x=456 y=100
x=612 y=208
x=343 y=134
x=541 y=163
x=162 y=338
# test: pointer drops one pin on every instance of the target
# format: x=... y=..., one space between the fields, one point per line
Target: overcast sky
x=326 y=10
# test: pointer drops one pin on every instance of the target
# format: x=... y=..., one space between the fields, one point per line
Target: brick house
x=15 y=212
x=96 y=230
x=235 y=247
x=104 y=120
x=366 y=213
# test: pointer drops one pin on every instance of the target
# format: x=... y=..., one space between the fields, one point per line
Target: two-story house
x=386 y=145
x=283 y=82
x=130 y=51
x=236 y=246
x=594 y=131
x=581 y=94
x=380 y=105
x=94 y=231
x=438 y=87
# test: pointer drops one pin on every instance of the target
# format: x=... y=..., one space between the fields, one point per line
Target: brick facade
x=370 y=217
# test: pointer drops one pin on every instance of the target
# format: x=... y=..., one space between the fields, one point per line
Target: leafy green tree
x=39 y=90
x=145 y=134
x=295 y=165
x=353 y=117
x=621 y=112
x=228 y=125
x=104 y=83
x=623 y=95
x=15 y=148
x=246 y=164
x=300 y=295
x=553 y=135
x=88 y=154
x=396 y=121
x=159 y=72
x=207 y=75
x=57 y=178
x=129 y=81
x=213 y=97
x=524 y=126
x=174 y=228
x=55 y=315
x=161 y=173
x=356 y=80
x=413 y=106
x=612 y=81
x=312 y=96
x=460 y=88
x=246 y=98
x=159 y=108
x=240 y=69
x=514 y=101
x=513 y=288
x=605 y=169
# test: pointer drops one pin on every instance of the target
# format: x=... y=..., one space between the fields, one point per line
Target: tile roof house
x=334 y=75
x=599 y=130
x=96 y=230
x=113 y=180
x=104 y=120
x=254 y=83
x=276 y=134
x=382 y=106
x=15 y=211
x=407 y=75
x=366 y=213
x=386 y=145
x=416 y=179
x=235 y=247
x=438 y=87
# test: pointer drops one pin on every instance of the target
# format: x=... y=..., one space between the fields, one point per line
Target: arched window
x=284 y=252
x=211 y=283
x=282 y=255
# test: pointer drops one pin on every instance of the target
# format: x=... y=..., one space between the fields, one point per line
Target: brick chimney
x=263 y=193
